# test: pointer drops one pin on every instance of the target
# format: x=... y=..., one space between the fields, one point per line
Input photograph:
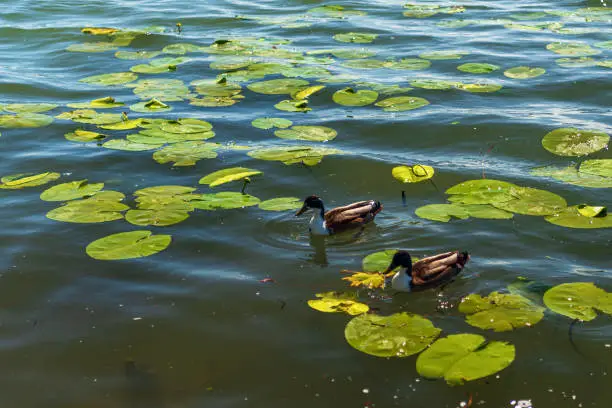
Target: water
x=193 y=326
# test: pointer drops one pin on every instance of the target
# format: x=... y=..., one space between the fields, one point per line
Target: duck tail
x=463 y=258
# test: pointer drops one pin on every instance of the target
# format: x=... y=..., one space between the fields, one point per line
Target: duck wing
x=352 y=215
x=438 y=268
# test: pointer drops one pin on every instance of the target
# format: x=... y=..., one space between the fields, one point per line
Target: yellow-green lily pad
x=112 y=79
x=307 y=155
x=85 y=136
x=154 y=105
x=572 y=48
x=25 y=120
x=185 y=153
x=352 y=97
x=71 y=191
x=309 y=133
x=413 y=174
x=100 y=46
x=293 y=105
x=578 y=300
x=500 y=311
x=579 y=62
x=575 y=142
x=227 y=175
x=224 y=200
x=28 y=107
x=361 y=38
x=158 y=218
x=269 y=123
x=129 y=146
x=277 y=86
x=281 y=204
x=333 y=302
x=477 y=68
x=402 y=103
x=524 y=72
x=136 y=55
x=570 y=217
x=101 y=103
x=18 y=181
x=128 y=245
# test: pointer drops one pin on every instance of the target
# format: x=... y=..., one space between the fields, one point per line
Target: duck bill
x=301 y=211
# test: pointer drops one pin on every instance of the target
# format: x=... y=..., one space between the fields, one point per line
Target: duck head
x=312 y=202
x=401 y=258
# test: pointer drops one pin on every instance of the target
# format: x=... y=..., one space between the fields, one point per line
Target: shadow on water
x=142 y=386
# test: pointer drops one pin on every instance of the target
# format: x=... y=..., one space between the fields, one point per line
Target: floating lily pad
x=129 y=146
x=165 y=90
x=224 y=200
x=575 y=142
x=180 y=49
x=309 y=133
x=410 y=64
x=355 y=37
x=532 y=201
x=154 y=105
x=364 y=64
x=25 y=120
x=332 y=302
x=90 y=116
x=592 y=211
x=123 y=125
x=604 y=44
x=103 y=206
x=153 y=69
x=598 y=167
x=100 y=46
x=378 y=261
x=227 y=175
x=437 y=84
x=293 y=106
x=479 y=88
x=99 y=30
x=305 y=93
x=352 y=53
x=481 y=186
x=352 y=97
x=444 y=55
x=136 y=55
x=402 y=103
x=336 y=11
x=487 y=212
x=500 y=312
x=524 y=72
x=128 y=245
x=28 y=107
x=85 y=136
x=579 y=62
x=185 y=153
x=464 y=357
x=269 y=123
x=219 y=88
x=71 y=191
x=101 y=103
x=307 y=155
x=186 y=125
x=214 y=101
x=412 y=174
x=605 y=63
x=277 y=86
x=116 y=78
x=573 y=176
x=578 y=300
x=571 y=217
x=442 y=212
x=305 y=71
x=576 y=49
x=18 y=181
x=477 y=68
x=397 y=335
x=281 y=204
x=159 y=218
x=367 y=280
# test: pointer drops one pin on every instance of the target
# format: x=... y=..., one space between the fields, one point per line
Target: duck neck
x=317 y=222
x=402 y=279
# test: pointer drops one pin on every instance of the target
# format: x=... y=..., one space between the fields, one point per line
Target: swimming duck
x=340 y=218
x=426 y=272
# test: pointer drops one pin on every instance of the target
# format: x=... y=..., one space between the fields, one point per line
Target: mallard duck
x=340 y=218
x=426 y=272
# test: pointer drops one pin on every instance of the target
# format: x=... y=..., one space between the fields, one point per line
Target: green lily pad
x=269 y=123
x=580 y=62
x=402 y=103
x=481 y=186
x=185 y=126
x=592 y=211
x=90 y=116
x=307 y=155
x=214 y=101
x=129 y=146
x=364 y=64
x=185 y=153
x=153 y=69
x=333 y=302
x=486 y=211
x=208 y=87
x=28 y=107
x=277 y=86
x=101 y=103
x=18 y=181
x=397 y=335
x=25 y=120
x=85 y=136
x=352 y=53
x=281 y=204
x=571 y=175
x=159 y=218
x=181 y=48
x=166 y=90
x=436 y=84
x=335 y=11
x=309 y=133
x=479 y=88
x=351 y=97
x=293 y=105
x=464 y=357
x=136 y=55
x=361 y=38
x=410 y=64
x=224 y=200
x=444 y=55
x=227 y=175
x=100 y=46
x=598 y=167
x=378 y=261
x=231 y=63
x=578 y=300
x=532 y=201
x=125 y=124
x=305 y=71
x=576 y=48
x=442 y=212
x=571 y=217
x=71 y=191
x=477 y=68
x=127 y=245
x=104 y=206
x=154 y=105
x=412 y=174
x=500 y=312
x=575 y=142
x=524 y=72
x=112 y=79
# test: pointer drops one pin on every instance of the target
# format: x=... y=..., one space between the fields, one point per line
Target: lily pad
x=99 y=30
x=481 y=186
x=277 y=86
x=592 y=210
x=28 y=107
x=112 y=79
x=25 y=120
x=90 y=116
x=154 y=105
x=136 y=55
x=218 y=88
x=128 y=245
x=71 y=191
x=227 y=175
x=364 y=64
x=125 y=124
x=410 y=64
x=281 y=204
x=224 y=200
x=464 y=357
x=307 y=155
x=575 y=142
x=442 y=212
x=181 y=48
x=571 y=217
x=402 y=103
x=579 y=62
x=351 y=97
x=305 y=93
x=103 y=206
x=378 y=261
x=293 y=106
x=361 y=38
x=18 y=181
x=269 y=123
x=165 y=90
x=573 y=176
x=487 y=212
x=598 y=167
x=477 y=68
x=436 y=84
x=412 y=174
x=101 y=103
x=397 y=335
x=85 y=136
x=214 y=101
x=524 y=72
x=532 y=201
x=479 y=88
x=444 y=55
x=309 y=133
x=100 y=46
x=129 y=146
x=576 y=48
x=332 y=302
x=158 y=217
x=578 y=300
x=500 y=312
x=185 y=153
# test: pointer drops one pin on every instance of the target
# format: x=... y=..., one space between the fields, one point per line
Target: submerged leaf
x=412 y=174
x=227 y=175
x=500 y=312
x=127 y=245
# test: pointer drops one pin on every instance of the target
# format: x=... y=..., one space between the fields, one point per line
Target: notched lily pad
x=352 y=97
x=524 y=72
x=571 y=217
x=84 y=136
x=413 y=174
x=127 y=245
x=71 y=191
x=333 y=302
x=101 y=103
x=578 y=300
x=500 y=312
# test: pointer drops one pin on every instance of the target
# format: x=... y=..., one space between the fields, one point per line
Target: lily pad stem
x=246 y=181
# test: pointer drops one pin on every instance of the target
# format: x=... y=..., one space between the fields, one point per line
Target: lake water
x=193 y=325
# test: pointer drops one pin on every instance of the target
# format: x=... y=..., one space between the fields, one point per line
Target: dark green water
x=193 y=326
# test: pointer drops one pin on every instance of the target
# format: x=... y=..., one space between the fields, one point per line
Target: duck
x=427 y=272
x=338 y=219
